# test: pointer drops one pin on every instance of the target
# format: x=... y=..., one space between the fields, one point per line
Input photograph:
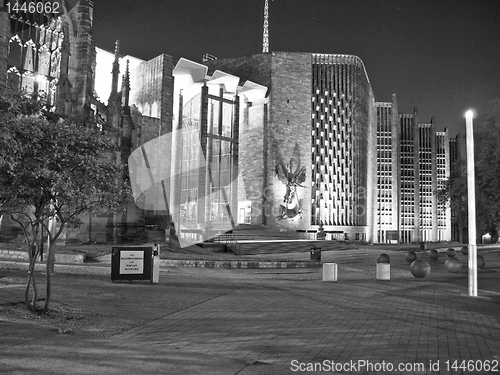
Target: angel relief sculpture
x=290 y=208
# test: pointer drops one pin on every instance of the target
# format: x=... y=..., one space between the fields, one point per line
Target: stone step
x=244 y=232
x=270 y=247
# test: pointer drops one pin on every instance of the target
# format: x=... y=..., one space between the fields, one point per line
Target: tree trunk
x=48 y=286
x=33 y=251
x=31 y=281
x=31 y=284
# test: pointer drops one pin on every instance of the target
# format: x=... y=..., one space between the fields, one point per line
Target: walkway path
x=264 y=321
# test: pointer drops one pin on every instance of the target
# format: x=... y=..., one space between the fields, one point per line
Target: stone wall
x=289 y=134
x=82 y=59
x=278 y=127
x=251 y=156
x=59 y=258
x=151 y=90
x=255 y=68
x=151 y=94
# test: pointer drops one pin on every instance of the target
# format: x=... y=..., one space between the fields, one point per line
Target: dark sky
x=442 y=56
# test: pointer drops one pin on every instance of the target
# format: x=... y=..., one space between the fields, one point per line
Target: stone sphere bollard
x=451 y=252
x=433 y=254
x=453 y=265
x=420 y=268
x=411 y=256
x=383 y=258
x=480 y=262
x=464 y=250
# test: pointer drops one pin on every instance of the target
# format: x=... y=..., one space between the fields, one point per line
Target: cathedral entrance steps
x=255 y=247
x=250 y=239
x=249 y=232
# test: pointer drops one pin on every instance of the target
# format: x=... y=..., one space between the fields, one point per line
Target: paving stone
x=246 y=319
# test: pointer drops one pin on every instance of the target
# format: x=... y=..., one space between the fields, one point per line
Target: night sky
x=442 y=56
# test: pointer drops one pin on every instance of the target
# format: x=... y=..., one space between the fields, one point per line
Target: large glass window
x=220 y=176
x=227 y=119
x=213 y=116
x=219 y=160
x=190 y=161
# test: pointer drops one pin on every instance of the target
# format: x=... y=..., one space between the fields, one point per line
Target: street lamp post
x=471 y=195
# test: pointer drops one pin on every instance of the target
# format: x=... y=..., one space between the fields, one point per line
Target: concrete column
x=265 y=208
x=235 y=158
x=416 y=146
x=203 y=181
x=434 y=230
x=396 y=167
x=176 y=184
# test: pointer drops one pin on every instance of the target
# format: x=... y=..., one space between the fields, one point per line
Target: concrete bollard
x=383 y=271
x=329 y=271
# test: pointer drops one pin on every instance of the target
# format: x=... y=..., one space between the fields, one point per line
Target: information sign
x=132 y=263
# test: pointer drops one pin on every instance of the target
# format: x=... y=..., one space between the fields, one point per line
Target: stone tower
x=4 y=42
x=82 y=57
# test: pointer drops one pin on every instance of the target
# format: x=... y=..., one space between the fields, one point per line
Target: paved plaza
x=263 y=321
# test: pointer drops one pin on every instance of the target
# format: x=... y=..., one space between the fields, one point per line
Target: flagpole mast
x=265 y=37
x=471 y=196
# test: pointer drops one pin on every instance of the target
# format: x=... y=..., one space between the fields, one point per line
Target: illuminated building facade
x=342 y=140
x=443 y=211
x=205 y=187
x=425 y=166
x=427 y=199
x=410 y=188
x=458 y=227
x=55 y=53
x=388 y=179
x=294 y=141
x=50 y=52
x=328 y=101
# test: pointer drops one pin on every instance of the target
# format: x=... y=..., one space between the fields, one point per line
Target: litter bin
x=423 y=246
x=316 y=254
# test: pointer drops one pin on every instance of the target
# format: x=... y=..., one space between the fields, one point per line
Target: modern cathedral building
x=293 y=141
x=307 y=149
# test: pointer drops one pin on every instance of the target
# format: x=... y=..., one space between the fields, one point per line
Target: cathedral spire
x=126 y=86
x=116 y=68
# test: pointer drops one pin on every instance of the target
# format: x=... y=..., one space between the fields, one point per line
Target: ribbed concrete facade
x=388 y=172
x=443 y=211
x=425 y=166
x=458 y=227
x=410 y=188
x=427 y=181
x=342 y=141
